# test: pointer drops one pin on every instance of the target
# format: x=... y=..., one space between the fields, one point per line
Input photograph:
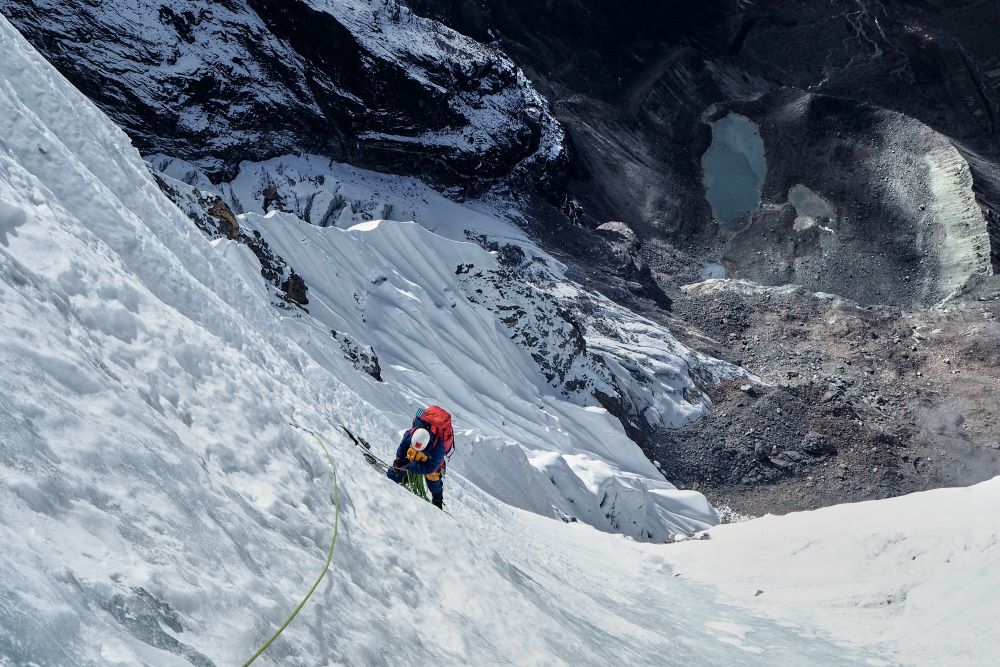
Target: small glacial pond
x=712 y=270
x=734 y=167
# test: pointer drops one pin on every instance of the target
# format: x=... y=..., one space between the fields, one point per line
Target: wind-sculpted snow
x=394 y=286
x=583 y=342
x=439 y=315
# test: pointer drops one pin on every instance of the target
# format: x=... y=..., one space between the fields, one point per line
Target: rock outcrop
x=361 y=81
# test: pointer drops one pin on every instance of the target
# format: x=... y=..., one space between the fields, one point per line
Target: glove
x=414 y=455
x=434 y=476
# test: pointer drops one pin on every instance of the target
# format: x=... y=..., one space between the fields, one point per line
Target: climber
x=424 y=449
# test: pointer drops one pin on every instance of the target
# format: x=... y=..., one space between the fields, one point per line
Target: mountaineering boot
x=438 y=502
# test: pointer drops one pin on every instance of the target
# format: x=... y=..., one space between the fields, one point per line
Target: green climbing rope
x=415 y=483
x=329 y=553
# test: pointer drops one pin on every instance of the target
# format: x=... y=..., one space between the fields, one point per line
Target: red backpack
x=438 y=422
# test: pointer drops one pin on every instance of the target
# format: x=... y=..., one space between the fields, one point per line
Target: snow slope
x=393 y=286
x=917 y=577
x=158 y=508
x=517 y=352
x=642 y=361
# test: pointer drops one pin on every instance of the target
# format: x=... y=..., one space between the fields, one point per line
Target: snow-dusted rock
x=364 y=81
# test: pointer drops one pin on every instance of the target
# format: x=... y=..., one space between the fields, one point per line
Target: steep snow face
x=916 y=577
x=494 y=336
x=584 y=343
x=397 y=288
x=219 y=82
x=159 y=508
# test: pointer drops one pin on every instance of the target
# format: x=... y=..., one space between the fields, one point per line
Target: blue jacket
x=434 y=452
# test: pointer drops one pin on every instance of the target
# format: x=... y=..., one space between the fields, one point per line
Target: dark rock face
x=208 y=211
x=627 y=263
x=229 y=226
x=643 y=74
x=362 y=357
x=360 y=81
x=295 y=288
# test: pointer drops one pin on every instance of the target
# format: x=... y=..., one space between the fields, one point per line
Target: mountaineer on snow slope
x=424 y=450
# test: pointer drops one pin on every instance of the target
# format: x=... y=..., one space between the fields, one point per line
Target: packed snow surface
x=159 y=507
x=917 y=577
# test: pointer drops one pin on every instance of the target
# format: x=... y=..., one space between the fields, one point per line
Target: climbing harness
x=329 y=553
